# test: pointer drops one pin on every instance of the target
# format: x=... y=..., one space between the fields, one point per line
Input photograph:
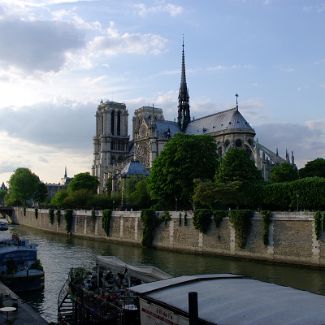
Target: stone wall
x=291 y=235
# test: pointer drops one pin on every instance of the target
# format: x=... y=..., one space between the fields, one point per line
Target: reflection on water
x=59 y=253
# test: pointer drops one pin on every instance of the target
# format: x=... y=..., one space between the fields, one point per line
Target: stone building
x=113 y=149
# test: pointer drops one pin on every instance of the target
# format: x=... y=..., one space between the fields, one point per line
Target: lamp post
x=297 y=196
x=175 y=203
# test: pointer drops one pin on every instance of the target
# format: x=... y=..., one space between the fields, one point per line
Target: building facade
x=113 y=149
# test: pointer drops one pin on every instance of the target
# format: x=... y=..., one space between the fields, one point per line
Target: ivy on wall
x=68 y=216
x=24 y=211
x=106 y=221
x=51 y=216
x=319 y=218
x=165 y=217
x=150 y=223
x=36 y=213
x=93 y=213
x=241 y=221
x=267 y=220
x=202 y=219
x=180 y=219
x=218 y=216
x=58 y=217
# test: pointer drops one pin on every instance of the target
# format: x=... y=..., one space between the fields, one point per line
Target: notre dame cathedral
x=116 y=155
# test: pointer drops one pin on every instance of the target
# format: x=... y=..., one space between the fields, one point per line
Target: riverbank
x=291 y=235
x=24 y=314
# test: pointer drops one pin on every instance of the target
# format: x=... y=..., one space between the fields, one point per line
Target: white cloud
x=228 y=67
x=307 y=140
x=58 y=125
x=113 y=42
x=47 y=163
x=37 y=45
x=173 y=10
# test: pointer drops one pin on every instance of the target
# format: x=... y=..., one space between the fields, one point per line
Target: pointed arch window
x=112 y=122
x=119 y=123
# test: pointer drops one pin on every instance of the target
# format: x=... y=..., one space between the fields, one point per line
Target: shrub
x=202 y=220
x=150 y=223
x=36 y=213
x=68 y=216
x=307 y=194
x=106 y=221
x=241 y=220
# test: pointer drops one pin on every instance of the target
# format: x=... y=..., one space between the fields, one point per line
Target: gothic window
x=112 y=122
x=238 y=143
x=227 y=142
x=118 y=123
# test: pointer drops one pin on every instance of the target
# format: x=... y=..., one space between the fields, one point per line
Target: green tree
x=313 y=168
x=23 y=186
x=83 y=181
x=140 y=197
x=59 y=197
x=236 y=165
x=184 y=158
x=78 y=199
x=238 y=182
x=283 y=173
x=41 y=192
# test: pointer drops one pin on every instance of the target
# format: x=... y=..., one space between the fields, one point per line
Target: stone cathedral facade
x=116 y=155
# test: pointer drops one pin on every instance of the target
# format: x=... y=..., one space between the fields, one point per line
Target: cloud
x=306 y=140
x=143 y=10
x=66 y=125
x=228 y=67
x=113 y=42
x=37 y=45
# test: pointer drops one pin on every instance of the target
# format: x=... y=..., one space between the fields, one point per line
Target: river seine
x=58 y=253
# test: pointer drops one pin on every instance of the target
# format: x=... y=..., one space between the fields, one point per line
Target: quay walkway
x=24 y=315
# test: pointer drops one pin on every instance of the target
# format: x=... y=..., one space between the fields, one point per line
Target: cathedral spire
x=184 y=117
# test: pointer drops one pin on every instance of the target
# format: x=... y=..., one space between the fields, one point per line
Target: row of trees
x=189 y=174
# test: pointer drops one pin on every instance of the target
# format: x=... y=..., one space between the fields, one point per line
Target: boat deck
x=24 y=315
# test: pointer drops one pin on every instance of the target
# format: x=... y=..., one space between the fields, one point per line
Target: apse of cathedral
x=117 y=156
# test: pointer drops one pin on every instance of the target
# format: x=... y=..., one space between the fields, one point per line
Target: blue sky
x=59 y=58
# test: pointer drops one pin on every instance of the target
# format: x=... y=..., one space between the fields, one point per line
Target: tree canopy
x=283 y=173
x=24 y=186
x=83 y=181
x=236 y=165
x=184 y=158
x=238 y=181
x=313 y=168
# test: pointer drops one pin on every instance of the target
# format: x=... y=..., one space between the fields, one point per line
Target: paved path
x=25 y=315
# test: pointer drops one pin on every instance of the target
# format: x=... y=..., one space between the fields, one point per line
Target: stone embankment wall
x=291 y=234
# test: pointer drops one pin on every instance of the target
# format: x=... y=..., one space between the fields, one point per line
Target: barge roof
x=228 y=299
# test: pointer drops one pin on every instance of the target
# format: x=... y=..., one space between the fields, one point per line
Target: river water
x=58 y=253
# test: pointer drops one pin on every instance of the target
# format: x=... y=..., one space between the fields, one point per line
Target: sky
x=59 y=58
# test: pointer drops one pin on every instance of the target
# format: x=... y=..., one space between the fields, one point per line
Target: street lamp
x=175 y=203
x=297 y=196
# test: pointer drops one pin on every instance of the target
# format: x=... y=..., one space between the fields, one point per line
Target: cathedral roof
x=230 y=120
x=166 y=129
x=134 y=168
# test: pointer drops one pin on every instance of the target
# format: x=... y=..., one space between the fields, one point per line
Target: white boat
x=19 y=267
